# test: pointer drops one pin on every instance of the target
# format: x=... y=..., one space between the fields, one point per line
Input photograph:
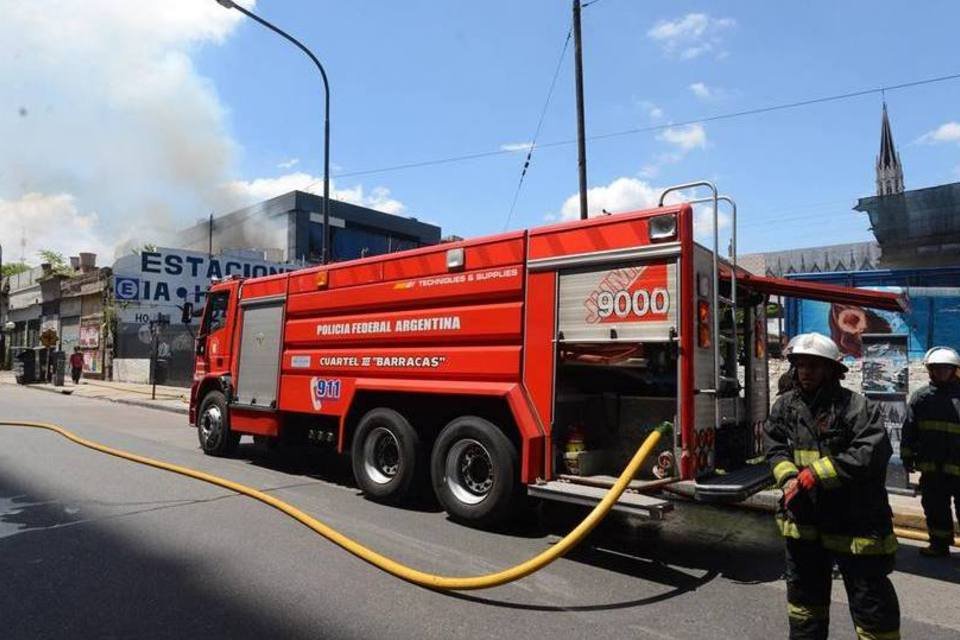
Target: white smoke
x=110 y=135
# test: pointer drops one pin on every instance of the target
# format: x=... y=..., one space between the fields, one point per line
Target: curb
x=146 y=404
x=770 y=500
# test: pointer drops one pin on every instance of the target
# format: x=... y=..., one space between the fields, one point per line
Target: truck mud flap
x=734 y=486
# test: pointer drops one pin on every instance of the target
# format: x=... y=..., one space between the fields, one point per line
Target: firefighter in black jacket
x=829 y=452
x=931 y=444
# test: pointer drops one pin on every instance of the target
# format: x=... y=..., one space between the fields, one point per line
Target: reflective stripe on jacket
x=931 y=429
x=844 y=443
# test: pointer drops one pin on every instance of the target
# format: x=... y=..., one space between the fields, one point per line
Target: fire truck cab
x=528 y=362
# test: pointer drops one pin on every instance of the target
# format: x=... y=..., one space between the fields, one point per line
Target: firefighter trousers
x=937 y=489
x=873 y=601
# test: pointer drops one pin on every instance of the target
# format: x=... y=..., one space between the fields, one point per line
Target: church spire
x=889 y=170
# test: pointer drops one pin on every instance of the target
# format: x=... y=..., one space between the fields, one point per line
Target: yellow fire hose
x=380 y=561
x=916 y=534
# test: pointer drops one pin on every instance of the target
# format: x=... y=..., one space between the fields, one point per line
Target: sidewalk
x=174 y=399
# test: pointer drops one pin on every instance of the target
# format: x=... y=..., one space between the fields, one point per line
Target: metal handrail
x=715 y=199
x=716 y=285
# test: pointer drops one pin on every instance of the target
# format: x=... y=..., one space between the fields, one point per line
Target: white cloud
x=685 y=138
x=691 y=36
x=623 y=194
x=703 y=225
x=630 y=194
x=652 y=110
x=288 y=164
x=240 y=193
x=50 y=222
x=701 y=90
x=516 y=146
x=948 y=132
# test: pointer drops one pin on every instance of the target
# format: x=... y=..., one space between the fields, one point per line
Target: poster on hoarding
x=886 y=383
x=933 y=318
x=892 y=413
x=885 y=364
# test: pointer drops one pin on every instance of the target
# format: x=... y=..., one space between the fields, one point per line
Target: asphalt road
x=97 y=547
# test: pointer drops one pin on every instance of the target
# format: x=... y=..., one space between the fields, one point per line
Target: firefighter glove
x=790 y=491
x=807 y=479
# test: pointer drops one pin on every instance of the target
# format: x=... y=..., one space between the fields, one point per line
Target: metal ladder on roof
x=720 y=304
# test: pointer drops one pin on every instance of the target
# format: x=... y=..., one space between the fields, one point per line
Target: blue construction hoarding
x=933 y=316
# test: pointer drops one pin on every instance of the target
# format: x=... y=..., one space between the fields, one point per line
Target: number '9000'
x=639 y=303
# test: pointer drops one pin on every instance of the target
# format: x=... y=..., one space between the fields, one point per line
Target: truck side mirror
x=186 y=316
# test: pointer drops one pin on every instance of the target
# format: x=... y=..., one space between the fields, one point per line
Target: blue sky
x=418 y=81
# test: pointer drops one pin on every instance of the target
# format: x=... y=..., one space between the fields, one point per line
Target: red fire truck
x=528 y=362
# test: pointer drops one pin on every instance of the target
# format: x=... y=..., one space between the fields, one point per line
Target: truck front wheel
x=386 y=454
x=474 y=471
x=213 y=426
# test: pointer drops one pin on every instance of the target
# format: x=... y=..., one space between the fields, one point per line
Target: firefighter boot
x=935 y=550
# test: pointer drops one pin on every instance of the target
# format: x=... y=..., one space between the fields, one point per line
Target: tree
x=13 y=268
x=56 y=261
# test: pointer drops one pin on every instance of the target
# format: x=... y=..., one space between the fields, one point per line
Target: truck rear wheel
x=213 y=426
x=386 y=455
x=474 y=471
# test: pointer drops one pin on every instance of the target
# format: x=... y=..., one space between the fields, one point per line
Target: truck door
x=214 y=341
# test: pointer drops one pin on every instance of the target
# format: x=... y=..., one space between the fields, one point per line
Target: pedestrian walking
x=931 y=444
x=829 y=450
x=76 y=365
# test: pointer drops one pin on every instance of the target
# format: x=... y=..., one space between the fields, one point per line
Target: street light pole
x=229 y=4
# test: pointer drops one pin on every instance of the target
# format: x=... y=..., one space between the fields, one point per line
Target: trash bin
x=162 y=371
x=59 y=367
x=42 y=368
x=24 y=365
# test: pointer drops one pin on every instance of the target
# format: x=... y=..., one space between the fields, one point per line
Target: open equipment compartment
x=617 y=375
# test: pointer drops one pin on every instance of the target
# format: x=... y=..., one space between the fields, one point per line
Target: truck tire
x=474 y=470
x=386 y=456
x=213 y=426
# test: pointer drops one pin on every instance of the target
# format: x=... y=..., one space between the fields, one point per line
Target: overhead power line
x=652 y=128
x=536 y=134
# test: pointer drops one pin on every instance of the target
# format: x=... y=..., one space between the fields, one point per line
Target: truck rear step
x=629 y=502
x=734 y=486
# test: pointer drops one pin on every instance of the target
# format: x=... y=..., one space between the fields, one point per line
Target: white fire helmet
x=815 y=344
x=941 y=355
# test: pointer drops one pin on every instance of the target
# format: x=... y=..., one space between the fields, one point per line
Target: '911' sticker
x=324 y=389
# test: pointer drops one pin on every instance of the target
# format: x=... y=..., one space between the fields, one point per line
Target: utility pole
x=210 y=237
x=581 y=145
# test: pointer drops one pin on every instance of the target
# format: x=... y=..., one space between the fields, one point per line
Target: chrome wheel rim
x=469 y=471
x=211 y=423
x=381 y=455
